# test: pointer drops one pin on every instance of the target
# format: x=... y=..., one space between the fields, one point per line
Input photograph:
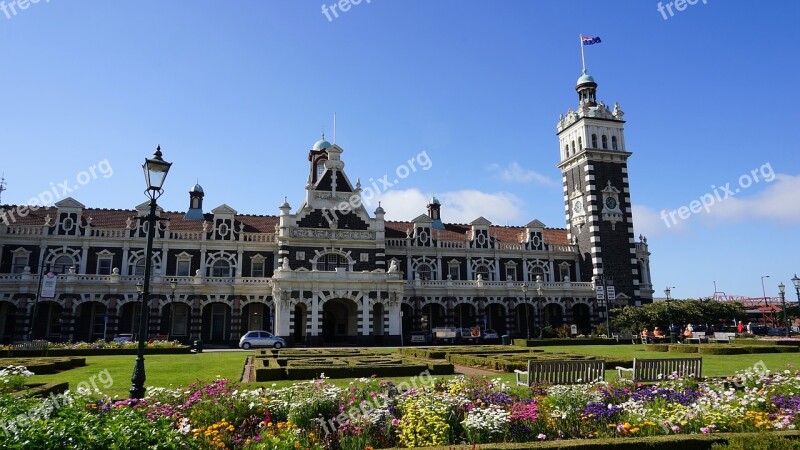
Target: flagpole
x=583 y=58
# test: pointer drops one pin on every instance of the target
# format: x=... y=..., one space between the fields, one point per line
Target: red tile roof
x=117 y=218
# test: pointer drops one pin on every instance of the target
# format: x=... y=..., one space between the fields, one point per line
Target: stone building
x=332 y=271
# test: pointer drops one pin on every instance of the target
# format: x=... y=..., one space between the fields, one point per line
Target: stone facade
x=331 y=272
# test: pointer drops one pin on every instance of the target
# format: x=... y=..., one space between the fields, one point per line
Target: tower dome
x=585 y=78
x=197 y=188
x=321 y=144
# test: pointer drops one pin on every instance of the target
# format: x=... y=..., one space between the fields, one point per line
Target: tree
x=679 y=312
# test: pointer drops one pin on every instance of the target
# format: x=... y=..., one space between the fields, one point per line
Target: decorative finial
x=323 y=133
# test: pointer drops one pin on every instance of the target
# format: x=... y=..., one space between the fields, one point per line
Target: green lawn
x=175 y=370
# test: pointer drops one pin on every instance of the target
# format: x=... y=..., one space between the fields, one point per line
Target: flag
x=591 y=40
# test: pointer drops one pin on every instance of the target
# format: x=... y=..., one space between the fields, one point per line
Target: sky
x=236 y=93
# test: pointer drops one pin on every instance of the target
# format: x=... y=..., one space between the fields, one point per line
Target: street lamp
x=172 y=284
x=527 y=310
x=541 y=302
x=155 y=172
x=673 y=334
x=606 y=299
x=796 y=282
x=782 y=291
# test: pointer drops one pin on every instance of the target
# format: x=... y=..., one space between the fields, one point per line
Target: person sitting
x=687 y=333
x=647 y=336
x=658 y=335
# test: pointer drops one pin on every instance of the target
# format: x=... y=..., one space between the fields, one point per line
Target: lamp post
x=782 y=291
x=155 y=172
x=527 y=310
x=172 y=284
x=541 y=304
x=673 y=334
x=606 y=299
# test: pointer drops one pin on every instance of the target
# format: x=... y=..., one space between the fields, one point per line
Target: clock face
x=611 y=202
x=578 y=207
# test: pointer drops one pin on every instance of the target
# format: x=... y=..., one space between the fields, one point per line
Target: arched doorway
x=8 y=321
x=432 y=316
x=129 y=319
x=339 y=320
x=175 y=320
x=90 y=322
x=581 y=317
x=496 y=318
x=525 y=323
x=256 y=317
x=553 y=315
x=47 y=321
x=300 y=320
x=216 y=322
x=464 y=315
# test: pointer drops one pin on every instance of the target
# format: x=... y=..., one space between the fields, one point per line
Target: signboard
x=600 y=293
x=573 y=329
x=49 y=285
x=612 y=293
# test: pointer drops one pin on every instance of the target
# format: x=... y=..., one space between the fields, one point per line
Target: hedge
x=727 y=350
x=567 y=341
x=656 y=347
x=43 y=389
x=44 y=365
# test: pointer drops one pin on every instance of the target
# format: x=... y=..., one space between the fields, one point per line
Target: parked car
x=444 y=335
x=760 y=330
x=779 y=331
x=261 y=339
x=490 y=335
x=125 y=337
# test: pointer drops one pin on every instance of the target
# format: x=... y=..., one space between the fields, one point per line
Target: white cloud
x=515 y=173
x=461 y=206
x=777 y=201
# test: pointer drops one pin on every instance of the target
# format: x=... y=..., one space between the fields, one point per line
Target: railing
x=567 y=248
x=259 y=237
x=186 y=235
x=108 y=232
x=472 y=284
x=396 y=242
x=22 y=230
x=451 y=244
x=510 y=246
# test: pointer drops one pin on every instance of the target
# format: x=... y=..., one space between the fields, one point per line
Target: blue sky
x=237 y=92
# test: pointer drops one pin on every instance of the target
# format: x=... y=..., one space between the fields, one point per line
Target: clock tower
x=597 y=198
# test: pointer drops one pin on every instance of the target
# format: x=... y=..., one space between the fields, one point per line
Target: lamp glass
x=782 y=288
x=173 y=284
x=796 y=282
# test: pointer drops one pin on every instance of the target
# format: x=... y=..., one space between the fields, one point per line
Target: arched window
x=62 y=264
x=330 y=261
x=605 y=142
x=538 y=271
x=580 y=143
x=424 y=272
x=137 y=268
x=594 y=141
x=483 y=271
x=614 y=143
x=566 y=150
x=573 y=147
x=221 y=268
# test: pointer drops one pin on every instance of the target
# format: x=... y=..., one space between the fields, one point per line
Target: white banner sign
x=600 y=293
x=49 y=285
x=612 y=293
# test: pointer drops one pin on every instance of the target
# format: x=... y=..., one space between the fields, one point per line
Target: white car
x=261 y=339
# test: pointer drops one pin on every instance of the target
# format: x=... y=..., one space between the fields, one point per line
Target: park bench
x=648 y=370
x=39 y=346
x=625 y=337
x=724 y=337
x=561 y=372
x=697 y=336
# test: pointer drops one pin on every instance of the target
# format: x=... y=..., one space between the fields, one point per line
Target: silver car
x=261 y=339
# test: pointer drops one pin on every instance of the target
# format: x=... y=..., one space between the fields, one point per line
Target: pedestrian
x=740 y=327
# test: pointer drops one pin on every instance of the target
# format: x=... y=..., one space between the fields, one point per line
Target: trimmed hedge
x=727 y=350
x=44 y=365
x=656 y=347
x=568 y=341
x=669 y=442
x=683 y=348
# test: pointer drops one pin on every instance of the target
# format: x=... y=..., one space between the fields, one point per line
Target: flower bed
x=424 y=412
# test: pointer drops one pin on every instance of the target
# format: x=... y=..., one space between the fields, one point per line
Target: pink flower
x=541 y=437
x=705 y=430
x=676 y=428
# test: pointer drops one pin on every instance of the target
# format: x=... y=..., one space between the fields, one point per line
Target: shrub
x=762 y=441
x=656 y=347
x=683 y=348
x=727 y=350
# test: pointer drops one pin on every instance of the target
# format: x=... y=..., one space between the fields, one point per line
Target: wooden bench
x=648 y=370
x=561 y=372
x=624 y=337
x=697 y=336
x=39 y=346
x=723 y=337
